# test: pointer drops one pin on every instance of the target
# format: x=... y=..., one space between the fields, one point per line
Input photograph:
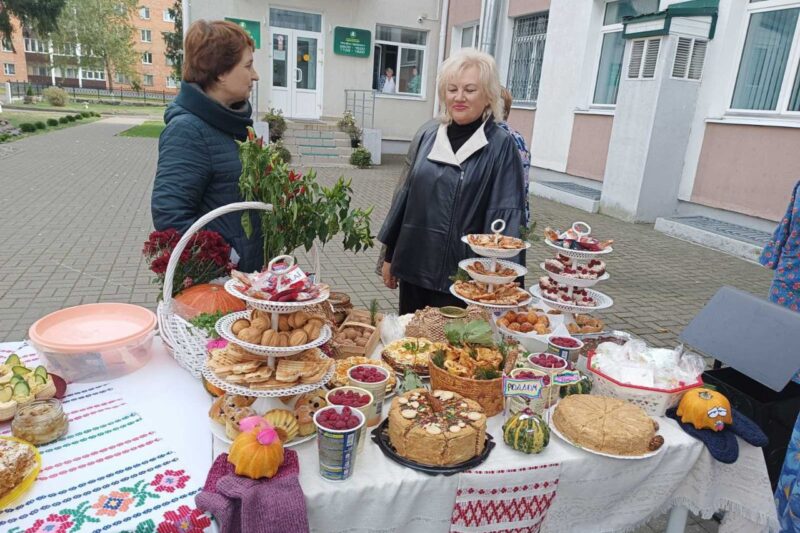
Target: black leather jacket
x=443 y=199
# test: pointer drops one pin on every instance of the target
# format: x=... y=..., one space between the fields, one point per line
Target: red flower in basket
x=184 y=520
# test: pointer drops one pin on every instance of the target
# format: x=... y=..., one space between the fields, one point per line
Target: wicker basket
x=487 y=392
x=655 y=402
x=186 y=343
x=429 y=323
x=342 y=351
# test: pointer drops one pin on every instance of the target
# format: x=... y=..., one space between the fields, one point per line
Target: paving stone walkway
x=74 y=212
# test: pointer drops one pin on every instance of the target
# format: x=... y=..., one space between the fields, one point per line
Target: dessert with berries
x=439 y=428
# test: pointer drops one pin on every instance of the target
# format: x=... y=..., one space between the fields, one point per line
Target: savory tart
x=606 y=425
x=410 y=352
x=441 y=428
x=17 y=460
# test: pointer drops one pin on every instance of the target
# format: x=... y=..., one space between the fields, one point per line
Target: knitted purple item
x=240 y=504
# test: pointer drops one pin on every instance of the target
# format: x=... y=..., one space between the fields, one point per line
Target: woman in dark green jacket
x=198 y=158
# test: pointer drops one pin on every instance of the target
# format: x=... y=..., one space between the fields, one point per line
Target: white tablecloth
x=594 y=493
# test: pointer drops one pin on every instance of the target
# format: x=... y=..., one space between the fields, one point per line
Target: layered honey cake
x=16 y=461
x=441 y=428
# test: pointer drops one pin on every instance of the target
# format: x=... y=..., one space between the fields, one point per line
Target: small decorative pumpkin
x=705 y=409
x=526 y=432
x=213 y=390
x=206 y=298
x=584 y=386
x=257 y=452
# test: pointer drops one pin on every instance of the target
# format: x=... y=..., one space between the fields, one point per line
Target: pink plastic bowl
x=94 y=342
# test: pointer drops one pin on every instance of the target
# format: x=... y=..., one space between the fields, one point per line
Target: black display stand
x=759 y=342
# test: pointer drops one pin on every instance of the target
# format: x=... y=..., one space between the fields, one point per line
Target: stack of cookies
x=233 y=364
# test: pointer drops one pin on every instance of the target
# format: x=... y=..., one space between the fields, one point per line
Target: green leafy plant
x=95 y=114
x=63 y=120
x=4 y=137
x=347 y=122
x=361 y=157
x=56 y=96
x=86 y=114
x=439 y=358
x=412 y=381
x=373 y=312
x=277 y=124
x=460 y=275
x=70 y=118
x=27 y=127
x=28 y=99
x=487 y=373
x=77 y=117
x=207 y=322
x=303 y=210
x=473 y=333
x=52 y=122
x=40 y=125
x=278 y=148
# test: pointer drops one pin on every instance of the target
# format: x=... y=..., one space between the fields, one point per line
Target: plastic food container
x=94 y=342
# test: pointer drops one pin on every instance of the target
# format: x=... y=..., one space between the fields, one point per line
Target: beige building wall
x=522 y=120
x=518 y=8
x=588 y=149
x=398 y=117
x=461 y=12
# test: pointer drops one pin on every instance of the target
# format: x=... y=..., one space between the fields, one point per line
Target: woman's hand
x=388 y=280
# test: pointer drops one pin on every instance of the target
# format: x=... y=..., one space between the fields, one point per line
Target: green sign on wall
x=351 y=41
x=252 y=27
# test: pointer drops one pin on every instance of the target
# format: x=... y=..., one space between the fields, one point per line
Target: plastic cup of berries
x=547 y=362
x=537 y=405
x=564 y=346
x=338 y=433
x=373 y=379
x=355 y=398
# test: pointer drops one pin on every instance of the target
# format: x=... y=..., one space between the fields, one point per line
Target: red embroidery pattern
x=484 y=512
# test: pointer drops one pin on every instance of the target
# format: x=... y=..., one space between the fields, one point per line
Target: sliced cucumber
x=39 y=380
x=20 y=370
x=6 y=393
x=16 y=379
x=21 y=390
x=13 y=360
x=41 y=371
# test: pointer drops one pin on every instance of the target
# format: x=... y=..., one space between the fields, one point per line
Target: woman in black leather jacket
x=466 y=173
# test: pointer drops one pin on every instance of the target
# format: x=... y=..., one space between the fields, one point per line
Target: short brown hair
x=508 y=99
x=212 y=49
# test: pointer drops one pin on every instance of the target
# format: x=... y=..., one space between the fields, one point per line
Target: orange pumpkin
x=256 y=453
x=705 y=409
x=213 y=390
x=206 y=298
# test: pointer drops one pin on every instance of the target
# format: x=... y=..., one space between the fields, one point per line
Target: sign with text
x=252 y=27
x=351 y=41
x=528 y=387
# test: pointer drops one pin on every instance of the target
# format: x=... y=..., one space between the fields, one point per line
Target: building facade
x=313 y=55
x=670 y=107
x=32 y=58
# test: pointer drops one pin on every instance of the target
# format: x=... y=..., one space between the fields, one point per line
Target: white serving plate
x=578 y=254
x=225 y=324
x=212 y=378
x=603 y=302
x=219 y=432
x=494 y=252
x=494 y=280
x=491 y=307
x=272 y=307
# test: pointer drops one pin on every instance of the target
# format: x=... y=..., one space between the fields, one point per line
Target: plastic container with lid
x=94 y=342
x=40 y=422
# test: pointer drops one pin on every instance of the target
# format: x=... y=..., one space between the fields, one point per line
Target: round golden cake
x=441 y=428
x=606 y=425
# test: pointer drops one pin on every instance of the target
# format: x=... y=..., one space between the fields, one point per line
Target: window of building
x=399 y=64
x=147 y=58
x=612 y=47
x=168 y=17
x=148 y=80
x=146 y=35
x=98 y=75
x=296 y=20
x=38 y=70
x=122 y=78
x=71 y=73
x=9 y=69
x=67 y=49
x=6 y=44
x=35 y=46
x=469 y=36
x=172 y=83
x=144 y=13
x=768 y=79
x=527 y=54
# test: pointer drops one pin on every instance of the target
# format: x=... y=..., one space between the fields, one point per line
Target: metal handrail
x=361 y=103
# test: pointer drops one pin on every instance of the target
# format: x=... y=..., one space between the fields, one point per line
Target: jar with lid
x=40 y=422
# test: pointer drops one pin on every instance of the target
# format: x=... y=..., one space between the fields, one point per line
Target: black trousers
x=414 y=297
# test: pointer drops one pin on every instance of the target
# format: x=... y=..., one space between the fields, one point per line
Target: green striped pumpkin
x=526 y=432
x=584 y=386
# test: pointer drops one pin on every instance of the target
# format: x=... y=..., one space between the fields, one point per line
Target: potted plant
x=348 y=125
x=361 y=158
x=277 y=124
x=304 y=210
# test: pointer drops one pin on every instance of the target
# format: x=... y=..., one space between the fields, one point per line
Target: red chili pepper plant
x=303 y=210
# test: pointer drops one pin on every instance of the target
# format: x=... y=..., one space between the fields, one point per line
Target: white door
x=296 y=72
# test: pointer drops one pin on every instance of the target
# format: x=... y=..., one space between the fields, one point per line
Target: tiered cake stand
x=578 y=257
x=269 y=353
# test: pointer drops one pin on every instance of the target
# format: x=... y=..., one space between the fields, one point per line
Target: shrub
x=63 y=120
x=27 y=127
x=40 y=125
x=86 y=114
x=52 y=122
x=346 y=122
x=4 y=137
x=281 y=150
x=361 y=157
x=277 y=124
x=70 y=118
x=77 y=116
x=56 y=96
x=95 y=114
x=28 y=99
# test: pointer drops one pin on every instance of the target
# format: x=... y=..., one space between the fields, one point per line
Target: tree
x=174 y=40
x=105 y=31
x=39 y=15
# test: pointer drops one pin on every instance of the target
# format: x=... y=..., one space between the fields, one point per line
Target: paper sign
x=529 y=388
x=567 y=377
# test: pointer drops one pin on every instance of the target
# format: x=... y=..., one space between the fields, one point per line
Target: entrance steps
x=317 y=143
x=734 y=239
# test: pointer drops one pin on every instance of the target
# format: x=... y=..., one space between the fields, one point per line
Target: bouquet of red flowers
x=205 y=258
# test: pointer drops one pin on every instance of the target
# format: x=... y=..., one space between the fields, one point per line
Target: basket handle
x=194 y=228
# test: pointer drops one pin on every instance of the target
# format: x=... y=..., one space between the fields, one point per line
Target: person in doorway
x=198 y=158
x=388 y=83
x=522 y=148
x=782 y=254
x=465 y=174
x=415 y=83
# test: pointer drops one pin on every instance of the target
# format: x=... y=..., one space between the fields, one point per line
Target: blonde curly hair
x=487 y=73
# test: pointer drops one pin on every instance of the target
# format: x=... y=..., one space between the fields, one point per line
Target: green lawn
x=18 y=117
x=149 y=110
x=150 y=128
